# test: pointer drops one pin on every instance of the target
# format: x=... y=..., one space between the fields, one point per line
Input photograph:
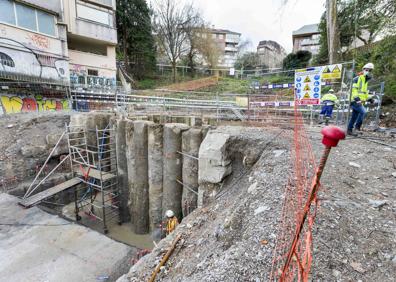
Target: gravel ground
x=354 y=235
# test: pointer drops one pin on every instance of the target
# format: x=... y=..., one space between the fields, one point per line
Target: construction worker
x=171 y=222
x=329 y=100
x=360 y=94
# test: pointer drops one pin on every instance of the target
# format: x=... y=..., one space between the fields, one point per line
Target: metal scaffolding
x=93 y=160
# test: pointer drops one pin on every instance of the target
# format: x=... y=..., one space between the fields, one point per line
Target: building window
x=93 y=72
x=26 y=17
x=6 y=60
x=46 y=23
x=7 y=14
x=94 y=15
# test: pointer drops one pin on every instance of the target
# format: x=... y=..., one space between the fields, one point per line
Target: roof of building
x=307 y=29
x=216 y=30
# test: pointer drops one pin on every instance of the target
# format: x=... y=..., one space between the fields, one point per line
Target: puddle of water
x=122 y=233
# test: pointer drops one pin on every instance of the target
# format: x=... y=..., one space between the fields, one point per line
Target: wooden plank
x=37 y=198
x=96 y=174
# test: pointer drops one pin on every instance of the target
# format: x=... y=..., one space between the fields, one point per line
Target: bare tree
x=170 y=22
x=208 y=48
x=194 y=31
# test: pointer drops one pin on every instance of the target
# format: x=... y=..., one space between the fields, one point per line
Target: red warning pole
x=331 y=136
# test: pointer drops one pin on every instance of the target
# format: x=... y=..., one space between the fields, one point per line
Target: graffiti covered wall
x=22 y=104
x=30 y=54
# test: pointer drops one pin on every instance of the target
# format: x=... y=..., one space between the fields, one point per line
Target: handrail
x=43 y=166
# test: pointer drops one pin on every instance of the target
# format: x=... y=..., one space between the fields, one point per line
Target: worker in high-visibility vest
x=360 y=95
x=328 y=101
x=171 y=222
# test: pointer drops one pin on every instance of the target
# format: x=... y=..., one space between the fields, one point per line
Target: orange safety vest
x=171 y=225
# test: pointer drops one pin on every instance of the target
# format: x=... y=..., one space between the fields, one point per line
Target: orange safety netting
x=293 y=251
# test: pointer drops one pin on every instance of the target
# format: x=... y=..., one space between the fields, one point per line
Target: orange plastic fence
x=297 y=193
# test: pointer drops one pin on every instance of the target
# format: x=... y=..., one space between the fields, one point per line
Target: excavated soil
x=233 y=238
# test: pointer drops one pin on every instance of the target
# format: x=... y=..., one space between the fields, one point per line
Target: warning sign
x=332 y=72
x=308 y=85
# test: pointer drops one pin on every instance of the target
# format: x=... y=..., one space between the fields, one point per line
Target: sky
x=261 y=19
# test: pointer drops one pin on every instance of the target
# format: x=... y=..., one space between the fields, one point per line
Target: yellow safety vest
x=171 y=225
x=360 y=89
x=329 y=97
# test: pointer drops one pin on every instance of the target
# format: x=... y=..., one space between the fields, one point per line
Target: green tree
x=136 y=42
x=300 y=59
x=363 y=19
x=247 y=61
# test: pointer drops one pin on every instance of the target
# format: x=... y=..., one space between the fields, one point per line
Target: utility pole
x=333 y=39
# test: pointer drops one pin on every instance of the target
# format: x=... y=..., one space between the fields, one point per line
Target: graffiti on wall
x=39 y=41
x=17 y=104
x=23 y=60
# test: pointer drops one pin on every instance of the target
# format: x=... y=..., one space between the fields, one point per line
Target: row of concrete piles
x=158 y=170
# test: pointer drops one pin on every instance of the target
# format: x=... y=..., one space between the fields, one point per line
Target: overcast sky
x=261 y=19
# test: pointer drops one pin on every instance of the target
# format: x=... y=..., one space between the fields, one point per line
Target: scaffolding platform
x=93 y=161
x=39 y=197
x=105 y=176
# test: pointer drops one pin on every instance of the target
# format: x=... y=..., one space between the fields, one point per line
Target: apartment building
x=228 y=42
x=91 y=40
x=32 y=42
x=271 y=54
x=58 y=40
x=307 y=38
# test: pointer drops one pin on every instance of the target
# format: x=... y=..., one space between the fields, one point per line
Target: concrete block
x=214 y=162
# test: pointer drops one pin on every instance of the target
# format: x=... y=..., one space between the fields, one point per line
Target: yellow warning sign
x=307 y=88
x=332 y=72
x=336 y=69
x=326 y=69
x=306 y=96
x=307 y=80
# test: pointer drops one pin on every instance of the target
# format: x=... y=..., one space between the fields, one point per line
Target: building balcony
x=97 y=31
x=231 y=49
x=108 y=3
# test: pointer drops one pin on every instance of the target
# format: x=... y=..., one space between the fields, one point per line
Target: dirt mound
x=193 y=84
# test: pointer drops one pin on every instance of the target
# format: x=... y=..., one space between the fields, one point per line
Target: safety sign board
x=332 y=71
x=308 y=84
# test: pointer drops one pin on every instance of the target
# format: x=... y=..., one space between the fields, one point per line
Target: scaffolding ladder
x=93 y=160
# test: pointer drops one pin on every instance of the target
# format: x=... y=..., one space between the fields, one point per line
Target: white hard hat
x=331 y=91
x=369 y=66
x=169 y=213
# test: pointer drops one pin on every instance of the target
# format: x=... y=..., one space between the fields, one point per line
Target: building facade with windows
x=91 y=40
x=307 y=39
x=58 y=40
x=32 y=42
x=271 y=54
x=228 y=42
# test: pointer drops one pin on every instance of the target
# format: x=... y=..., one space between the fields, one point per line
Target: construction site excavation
x=139 y=142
